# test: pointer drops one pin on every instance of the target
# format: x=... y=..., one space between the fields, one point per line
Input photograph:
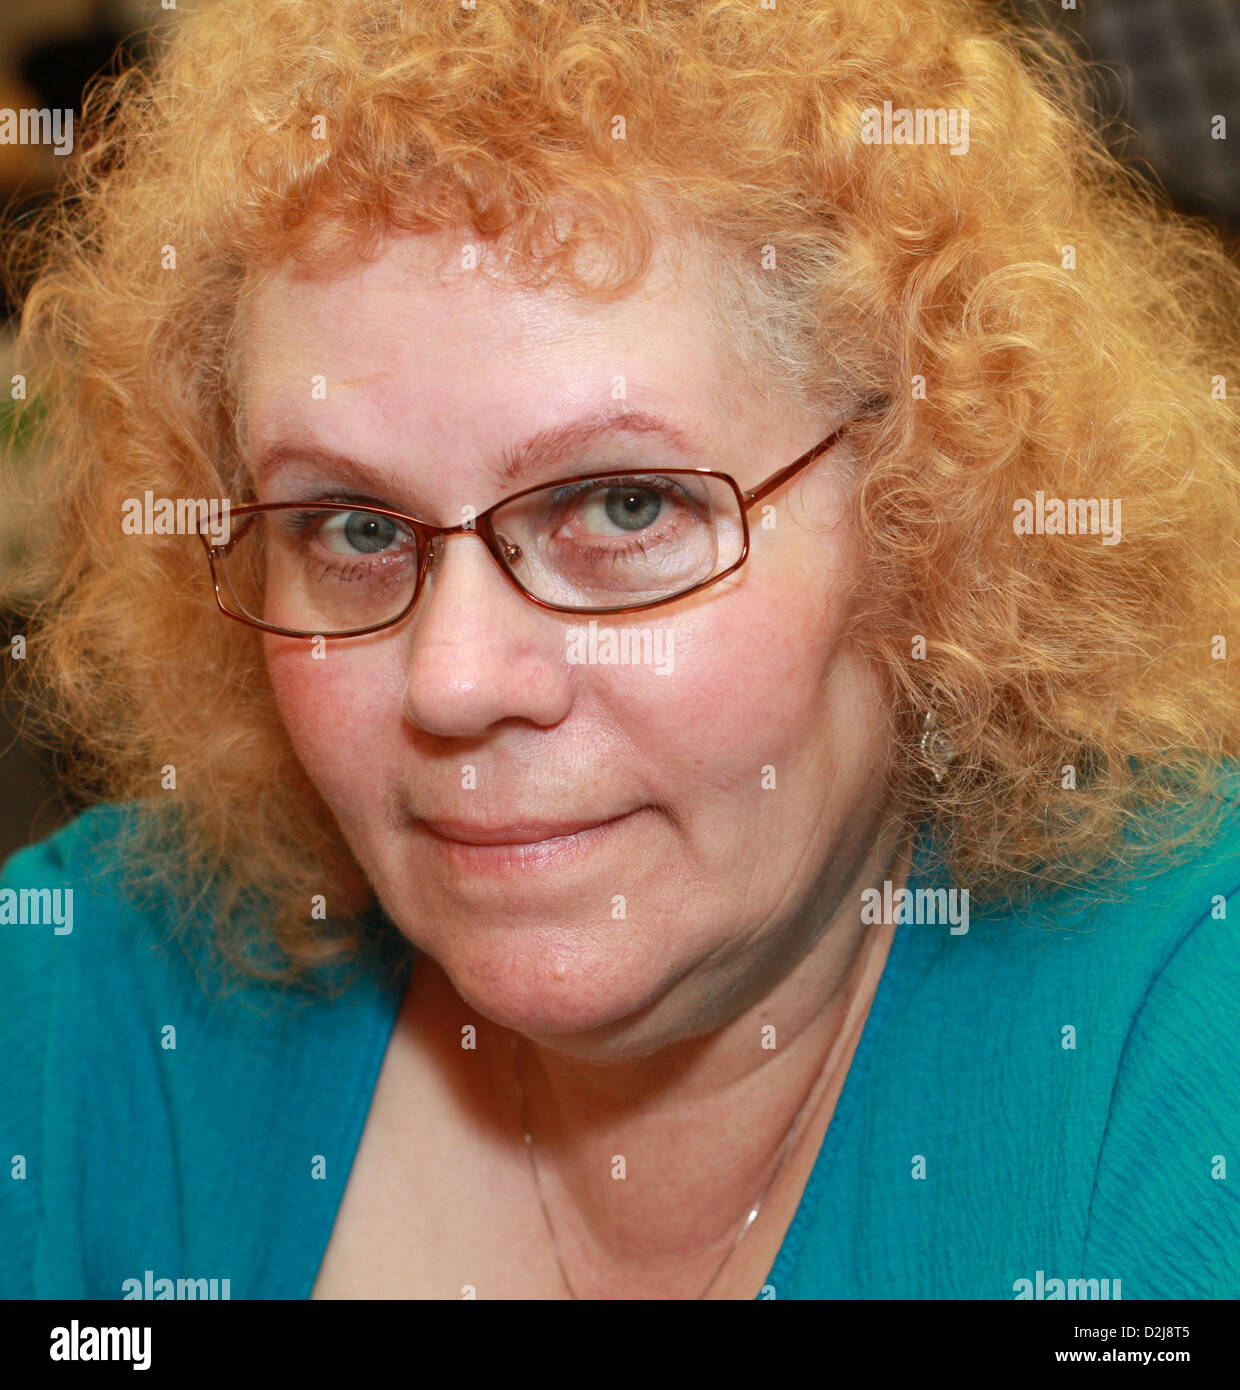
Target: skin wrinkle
x=740 y=900
x=875 y=262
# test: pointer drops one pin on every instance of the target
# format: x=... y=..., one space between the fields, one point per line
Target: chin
x=558 y=993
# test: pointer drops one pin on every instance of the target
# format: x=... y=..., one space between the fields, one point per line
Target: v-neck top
x=1044 y=1105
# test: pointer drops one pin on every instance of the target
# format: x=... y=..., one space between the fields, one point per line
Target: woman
x=682 y=747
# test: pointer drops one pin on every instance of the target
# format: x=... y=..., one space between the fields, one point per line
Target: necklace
x=748 y=1222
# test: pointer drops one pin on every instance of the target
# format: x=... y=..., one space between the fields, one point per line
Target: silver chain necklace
x=748 y=1222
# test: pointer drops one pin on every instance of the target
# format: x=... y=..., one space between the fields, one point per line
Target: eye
x=627 y=508
x=359 y=533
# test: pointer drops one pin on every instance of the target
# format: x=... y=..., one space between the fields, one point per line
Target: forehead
x=420 y=320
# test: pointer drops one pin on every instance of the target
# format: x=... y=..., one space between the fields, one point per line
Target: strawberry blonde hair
x=1070 y=331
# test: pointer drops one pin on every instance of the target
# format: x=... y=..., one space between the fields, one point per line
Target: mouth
x=522 y=845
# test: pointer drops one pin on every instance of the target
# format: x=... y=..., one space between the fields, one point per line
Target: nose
x=479 y=651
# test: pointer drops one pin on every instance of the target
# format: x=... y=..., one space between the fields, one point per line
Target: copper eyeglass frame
x=426 y=536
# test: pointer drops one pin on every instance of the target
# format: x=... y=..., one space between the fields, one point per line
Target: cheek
x=748 y=688
x=759 y=680
x=334 y=710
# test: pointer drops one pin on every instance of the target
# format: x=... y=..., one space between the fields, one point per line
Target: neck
x=627 y=1149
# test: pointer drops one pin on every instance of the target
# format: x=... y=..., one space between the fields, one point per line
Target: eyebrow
x=546 y=450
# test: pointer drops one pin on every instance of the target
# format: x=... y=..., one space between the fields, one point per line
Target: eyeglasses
x=595 y=543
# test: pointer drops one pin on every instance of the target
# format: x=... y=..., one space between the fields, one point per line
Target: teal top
x=1051 y=1095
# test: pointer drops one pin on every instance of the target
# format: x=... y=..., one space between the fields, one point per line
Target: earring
x=936 y=746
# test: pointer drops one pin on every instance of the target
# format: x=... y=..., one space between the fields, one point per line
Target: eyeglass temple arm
x=776 y=479
x=874 y=403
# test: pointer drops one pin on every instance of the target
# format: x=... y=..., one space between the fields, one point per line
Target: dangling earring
x=936 y=746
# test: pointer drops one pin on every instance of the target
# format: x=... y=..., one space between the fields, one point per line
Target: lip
x=504 y=849
x=524 y=833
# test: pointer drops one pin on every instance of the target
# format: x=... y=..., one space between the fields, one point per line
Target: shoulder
x=43 y=891
x=66 y=912
x=137 y=1085
x=76 y=876
x=78 y=849
x=1140 y=992
x=82 y=930
x=1052 y=1089
x=1165 y=1208
x=1132 y=949
x=58 y=957
x=1132 y=922
x=1073 y=972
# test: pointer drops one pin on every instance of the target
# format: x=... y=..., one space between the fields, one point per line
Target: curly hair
x=1031 y=317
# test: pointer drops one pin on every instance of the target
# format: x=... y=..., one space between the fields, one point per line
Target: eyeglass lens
x=592 y=544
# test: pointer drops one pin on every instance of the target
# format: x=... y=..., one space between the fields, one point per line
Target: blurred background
x=1165 y=70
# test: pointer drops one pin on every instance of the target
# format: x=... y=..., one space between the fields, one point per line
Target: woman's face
x=737 y=792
